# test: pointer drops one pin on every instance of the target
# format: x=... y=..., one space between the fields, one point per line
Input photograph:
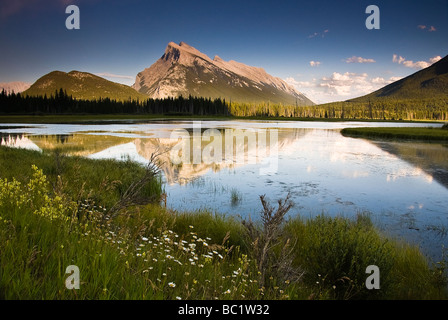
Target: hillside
x=429 y=83
x=82 y=85
x=184 y=70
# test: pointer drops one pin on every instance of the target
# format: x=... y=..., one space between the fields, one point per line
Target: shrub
x=335 y=252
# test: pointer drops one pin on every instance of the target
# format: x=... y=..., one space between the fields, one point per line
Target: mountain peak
x=182 y=53
x=185 y=45
x=184 y=70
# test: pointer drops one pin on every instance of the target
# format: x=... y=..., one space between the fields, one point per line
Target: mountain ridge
x=431 y=82
x=184 y=70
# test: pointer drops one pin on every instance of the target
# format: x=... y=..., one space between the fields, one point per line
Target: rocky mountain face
x=15 y=86
x=184 y=70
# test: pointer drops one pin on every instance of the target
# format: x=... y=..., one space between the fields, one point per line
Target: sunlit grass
x=117 y=260
x=52 y=216
x=100 y=181
x=429 y=133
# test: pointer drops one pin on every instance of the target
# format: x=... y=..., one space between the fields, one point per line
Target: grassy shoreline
x=426 y=134
x=96 y=118
x=54 y=212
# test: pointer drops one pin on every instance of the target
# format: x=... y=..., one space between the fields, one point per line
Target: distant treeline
x=61 y=103
x=387 y=109
x=380 y=109
x=428 y=109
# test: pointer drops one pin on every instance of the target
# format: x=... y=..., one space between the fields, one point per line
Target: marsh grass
x=335 y=251
x=52 y=215
x=426 y=134
x=235 y=197
x=132 y=257
x=440 y=230
x=101 y=181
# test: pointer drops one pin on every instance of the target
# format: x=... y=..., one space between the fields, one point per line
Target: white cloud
x=300 y=84
x=356 y=59
x=428 y=28
x=397 y=59
x=291 y=81
x=384 y=82
x=321 y=34
x=378 y=80
x=340 y=86
x=315 y=63
x=435 y=59
x=111 y=75
x=345 y=84
x=417 y=64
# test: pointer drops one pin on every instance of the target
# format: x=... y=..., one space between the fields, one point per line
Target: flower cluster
x=11 y=193
x=36 y=196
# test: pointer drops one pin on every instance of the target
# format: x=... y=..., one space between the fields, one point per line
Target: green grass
x=148 y=252
x=102 y=181
x=337 y=250
x=427 y=134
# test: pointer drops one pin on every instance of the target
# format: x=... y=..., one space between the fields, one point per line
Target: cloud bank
x=356 y=59
x=340 y=86
x=111 y=75
x=417 y=64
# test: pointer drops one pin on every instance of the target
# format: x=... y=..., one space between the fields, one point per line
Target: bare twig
x=266 y=238
x=133 y=195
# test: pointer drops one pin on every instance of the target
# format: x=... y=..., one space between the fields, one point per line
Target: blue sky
x=321 y=47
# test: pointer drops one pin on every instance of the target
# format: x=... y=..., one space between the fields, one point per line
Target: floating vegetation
x=235 y=197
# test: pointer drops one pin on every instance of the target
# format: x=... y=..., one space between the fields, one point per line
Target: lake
x=224 y=166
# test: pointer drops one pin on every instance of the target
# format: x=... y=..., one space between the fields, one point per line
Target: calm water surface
x=402 y=185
